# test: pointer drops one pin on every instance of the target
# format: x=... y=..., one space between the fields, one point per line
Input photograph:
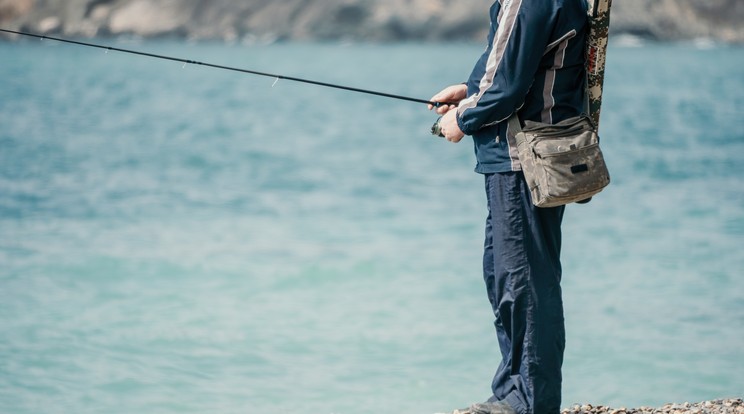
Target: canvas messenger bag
x=562 y=163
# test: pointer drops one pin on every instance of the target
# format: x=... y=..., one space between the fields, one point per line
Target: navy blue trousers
x=522 y=271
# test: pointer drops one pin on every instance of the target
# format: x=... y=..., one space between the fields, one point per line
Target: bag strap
x=587 y=106
x=514 y=125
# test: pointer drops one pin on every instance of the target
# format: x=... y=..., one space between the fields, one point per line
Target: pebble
x=729 y=406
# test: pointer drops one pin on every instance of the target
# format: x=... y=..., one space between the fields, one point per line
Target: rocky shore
x=369 y=20
x=730 y=406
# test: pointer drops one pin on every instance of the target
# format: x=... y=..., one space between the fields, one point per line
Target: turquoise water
x=188 y=240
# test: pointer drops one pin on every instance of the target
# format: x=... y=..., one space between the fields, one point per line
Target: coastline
x=377 y=20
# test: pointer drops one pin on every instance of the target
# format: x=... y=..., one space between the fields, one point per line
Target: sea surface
x=181 y=239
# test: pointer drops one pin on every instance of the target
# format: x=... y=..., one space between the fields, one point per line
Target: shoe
x=497 y=407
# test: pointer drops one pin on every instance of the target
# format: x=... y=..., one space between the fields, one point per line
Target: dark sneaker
x=498 y=407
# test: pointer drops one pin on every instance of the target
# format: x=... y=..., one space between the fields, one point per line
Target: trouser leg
x=522 y=272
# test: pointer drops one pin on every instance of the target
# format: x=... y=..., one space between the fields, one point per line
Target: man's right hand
x=451 y=94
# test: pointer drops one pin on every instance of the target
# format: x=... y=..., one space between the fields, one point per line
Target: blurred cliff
x=375 y=20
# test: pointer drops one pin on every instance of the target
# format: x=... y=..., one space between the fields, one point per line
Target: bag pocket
x=573 y=175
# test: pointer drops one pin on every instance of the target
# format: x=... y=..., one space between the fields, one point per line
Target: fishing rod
x=234 y=69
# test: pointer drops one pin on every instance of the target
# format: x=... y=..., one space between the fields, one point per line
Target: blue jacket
x=534 y=64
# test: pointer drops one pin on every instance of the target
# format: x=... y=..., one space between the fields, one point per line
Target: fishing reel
x=436 y=129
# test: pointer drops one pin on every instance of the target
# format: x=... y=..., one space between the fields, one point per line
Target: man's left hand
x=449 y=127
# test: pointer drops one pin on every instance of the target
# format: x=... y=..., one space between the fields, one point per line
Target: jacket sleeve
x=523 y=32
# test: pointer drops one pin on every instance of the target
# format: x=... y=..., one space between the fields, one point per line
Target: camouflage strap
x=599 y=20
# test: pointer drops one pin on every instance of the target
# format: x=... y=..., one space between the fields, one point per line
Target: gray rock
x=370 y=20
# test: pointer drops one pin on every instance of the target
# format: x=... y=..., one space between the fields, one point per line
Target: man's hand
x=451 y=94
x=448 y=124
x=449 y=127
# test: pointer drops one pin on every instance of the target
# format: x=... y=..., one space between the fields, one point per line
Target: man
x=534 y=66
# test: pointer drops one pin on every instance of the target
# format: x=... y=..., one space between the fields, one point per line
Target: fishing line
x=234 y=69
